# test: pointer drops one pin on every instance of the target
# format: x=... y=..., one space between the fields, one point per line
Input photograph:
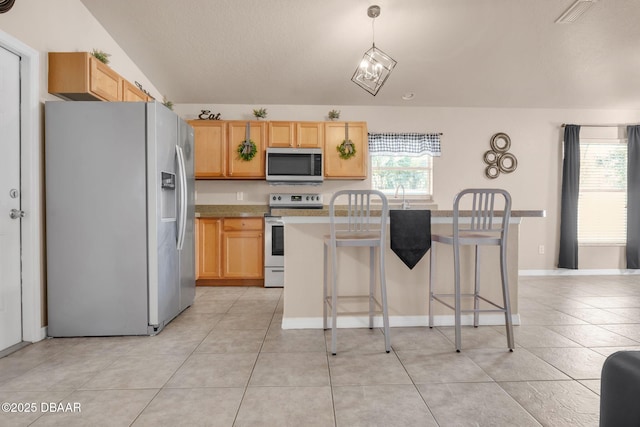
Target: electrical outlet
x=239 y=195
x=541 y=249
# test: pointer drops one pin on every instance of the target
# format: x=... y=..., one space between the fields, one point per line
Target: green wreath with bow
x=347 y=149
x=247 y=150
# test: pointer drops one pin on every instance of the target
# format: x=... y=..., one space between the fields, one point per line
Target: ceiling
x=450 y=53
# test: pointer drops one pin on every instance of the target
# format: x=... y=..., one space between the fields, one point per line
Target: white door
x=10 y=286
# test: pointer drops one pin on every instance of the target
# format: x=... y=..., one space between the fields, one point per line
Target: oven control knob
x=307 y=197
x=279 y=197
x=273 y=198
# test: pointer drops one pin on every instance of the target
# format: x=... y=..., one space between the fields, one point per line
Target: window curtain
x=404 y=144
x=633 y=197
x=568 y=257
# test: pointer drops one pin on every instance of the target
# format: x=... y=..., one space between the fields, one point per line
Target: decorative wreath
x=247 y=150
x=347 y=149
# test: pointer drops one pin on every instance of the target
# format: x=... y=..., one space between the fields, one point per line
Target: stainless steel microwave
x=295 y=165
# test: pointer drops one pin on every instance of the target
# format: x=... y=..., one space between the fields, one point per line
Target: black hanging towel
x=410 y=234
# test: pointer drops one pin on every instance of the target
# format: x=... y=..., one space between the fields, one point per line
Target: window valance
x=404 y=144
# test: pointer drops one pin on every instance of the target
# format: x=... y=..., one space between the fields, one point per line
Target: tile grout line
x=416 y=385
x=246 y=387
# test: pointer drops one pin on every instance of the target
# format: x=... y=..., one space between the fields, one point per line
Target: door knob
x=16 y=213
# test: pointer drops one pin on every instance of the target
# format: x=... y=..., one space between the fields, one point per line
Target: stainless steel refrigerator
x=119 y=217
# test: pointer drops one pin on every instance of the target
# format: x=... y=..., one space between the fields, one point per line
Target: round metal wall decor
x=507 y=163
x=498 y=159
x=500 y=142
x=6 y=5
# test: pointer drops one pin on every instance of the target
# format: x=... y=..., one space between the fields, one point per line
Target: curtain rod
x=426 y=133
x=615 y=125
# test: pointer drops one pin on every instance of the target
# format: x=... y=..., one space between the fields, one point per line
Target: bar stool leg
x=383 y=292
x=456 y=268
x=476 y=290
x=505 y=297
x=372 y=283
x=432 y=275
x=334 y=301
x=324 y=288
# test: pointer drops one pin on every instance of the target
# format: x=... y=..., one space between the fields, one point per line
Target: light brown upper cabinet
x=132 y=93
x=282 y=134
x=79 y=76
x=238 y=167
x=296 y=134
x=309 y=134
x=210 y=141
x=354 y=167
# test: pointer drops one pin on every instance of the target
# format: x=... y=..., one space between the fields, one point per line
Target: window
x=403 y=159
x=602 y=200
x=413 y=173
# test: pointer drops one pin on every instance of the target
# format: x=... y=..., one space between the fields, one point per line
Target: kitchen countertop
x=213 y=211
x=220 y=211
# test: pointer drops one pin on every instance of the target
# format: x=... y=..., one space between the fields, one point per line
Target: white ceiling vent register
x=575 y=11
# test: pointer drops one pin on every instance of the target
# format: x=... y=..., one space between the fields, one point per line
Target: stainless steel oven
x=273 y=251
x=274 y=233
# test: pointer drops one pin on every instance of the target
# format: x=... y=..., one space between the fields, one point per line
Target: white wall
x=536 y=141
x=66 y=26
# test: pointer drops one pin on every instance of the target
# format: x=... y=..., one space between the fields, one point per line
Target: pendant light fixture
x=375 y=66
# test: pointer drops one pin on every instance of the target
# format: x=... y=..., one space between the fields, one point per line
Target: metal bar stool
x=359 y=231
x=483 y=229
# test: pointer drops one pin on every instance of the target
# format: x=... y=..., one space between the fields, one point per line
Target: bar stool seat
x=360 y=230
x=488 y=225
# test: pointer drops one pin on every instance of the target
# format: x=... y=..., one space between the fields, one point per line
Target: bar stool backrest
x=359 y=208
x=488 y=215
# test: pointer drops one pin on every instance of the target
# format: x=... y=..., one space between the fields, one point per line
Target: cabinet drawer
x=240 y=224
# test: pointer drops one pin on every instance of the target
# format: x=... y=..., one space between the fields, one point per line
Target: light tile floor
x=226 y=362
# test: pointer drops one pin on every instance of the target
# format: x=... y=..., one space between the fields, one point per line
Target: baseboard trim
x=567 y=272
x=394 y=321
x=230 y=282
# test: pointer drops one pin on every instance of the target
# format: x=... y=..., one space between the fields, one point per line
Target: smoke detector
x=575 y=11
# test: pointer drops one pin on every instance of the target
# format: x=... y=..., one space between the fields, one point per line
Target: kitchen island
x=407 y=289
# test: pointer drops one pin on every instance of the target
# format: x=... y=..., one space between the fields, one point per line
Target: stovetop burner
x=295 y=201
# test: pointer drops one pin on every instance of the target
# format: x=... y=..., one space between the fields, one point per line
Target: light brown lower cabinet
x=208 y=248
x=230 y=251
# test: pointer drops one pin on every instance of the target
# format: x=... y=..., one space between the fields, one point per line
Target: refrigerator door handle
x=182 y=224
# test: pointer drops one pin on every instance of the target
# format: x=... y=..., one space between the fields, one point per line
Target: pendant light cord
x=373 y=32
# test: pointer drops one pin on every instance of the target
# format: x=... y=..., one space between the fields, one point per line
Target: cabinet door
x=237 y=167
x=131 y=93
x=354 y=167
x=103 y=81
x=243 y=248
x=210 y=142
x=208 y=245
x=81 y=77
x=281 y=134
x=309 y=134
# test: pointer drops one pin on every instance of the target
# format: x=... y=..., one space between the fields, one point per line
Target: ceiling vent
x=575 y=11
